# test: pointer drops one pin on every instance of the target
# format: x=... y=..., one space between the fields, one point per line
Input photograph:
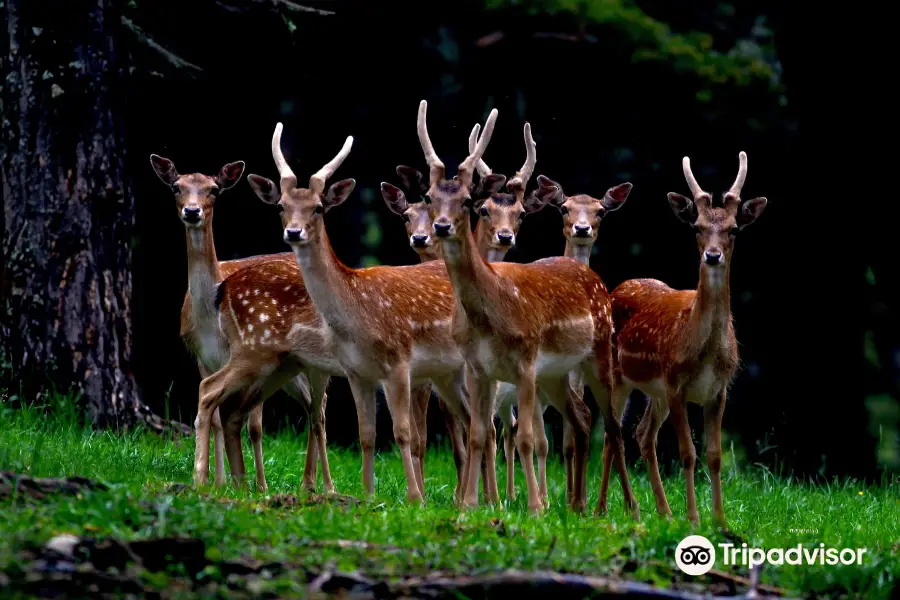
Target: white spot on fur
x=263 y=317
x=240 y=296
x=250 y=327
x=256 y=292
x=287 y=288
x=267 y=333
x=252 y=310
x=274 y=302
x=245 y=302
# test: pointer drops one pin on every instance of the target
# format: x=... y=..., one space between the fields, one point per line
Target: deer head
x=716 y=226
x=581 y=214
x=302 y=208
x=450 y=200
x=195 y=194
x=415 y=214
x=503 y=213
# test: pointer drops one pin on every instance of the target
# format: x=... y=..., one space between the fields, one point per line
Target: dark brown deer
x=678 y=346
x=526 y=324
x=195 y=198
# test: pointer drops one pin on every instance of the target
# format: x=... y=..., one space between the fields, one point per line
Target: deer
x=501 y=215
x=679 y=346
x=526 y=324
x=195 y=198
x=581 y=218
x=387 y=324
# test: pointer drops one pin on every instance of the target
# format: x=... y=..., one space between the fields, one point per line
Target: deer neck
x=711 y=310
x=203 y=269
x=432 y=253
x=469 y=274
x=483 y=244
x=580 y=252
x=326 y=278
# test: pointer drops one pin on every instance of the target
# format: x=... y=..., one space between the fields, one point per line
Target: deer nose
x=420 y=240
x=582 y=230
x=293 y=235
x=713 y=257
x=442 y=229
x=191 y=214
x=505 y=238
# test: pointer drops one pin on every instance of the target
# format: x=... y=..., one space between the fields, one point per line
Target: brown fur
x=678 y=346
x=508 y=317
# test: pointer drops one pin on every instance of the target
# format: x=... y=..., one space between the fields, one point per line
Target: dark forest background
x=615 y=90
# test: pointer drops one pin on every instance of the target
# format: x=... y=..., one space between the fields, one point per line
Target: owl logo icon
x=695 y=555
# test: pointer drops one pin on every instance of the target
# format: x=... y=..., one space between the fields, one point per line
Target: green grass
x=762 y=510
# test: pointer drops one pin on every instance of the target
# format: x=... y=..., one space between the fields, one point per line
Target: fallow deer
x=581 y=216
x=525 y=324
x=382 y=324
x=195 y=198
x=500 y=216
x=678 y=346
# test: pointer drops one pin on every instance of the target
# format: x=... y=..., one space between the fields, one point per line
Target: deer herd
x=484 y=334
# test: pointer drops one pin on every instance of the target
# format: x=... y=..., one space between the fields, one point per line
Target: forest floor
x=141 y=527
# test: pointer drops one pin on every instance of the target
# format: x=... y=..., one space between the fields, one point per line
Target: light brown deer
x=501 y=215
x=195 y=198
x=678 y=346
x=581 y=216
x=382 y=324
x=525 y=324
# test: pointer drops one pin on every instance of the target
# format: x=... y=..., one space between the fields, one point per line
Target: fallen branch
x=242 y=6
x=15 y=484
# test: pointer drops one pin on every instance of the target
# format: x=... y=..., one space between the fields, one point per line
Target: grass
x=763 y=510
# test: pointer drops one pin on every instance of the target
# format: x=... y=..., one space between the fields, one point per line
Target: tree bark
x=68 y=208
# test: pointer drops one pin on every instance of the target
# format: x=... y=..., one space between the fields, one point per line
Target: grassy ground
x=763 y=511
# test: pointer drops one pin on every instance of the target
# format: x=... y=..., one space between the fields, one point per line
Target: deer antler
x=741 y=176
x=700 y=197
x=733 y=196
x=322 y=175
x=524 y=174
x=481 y=166
x=435 y=166
x=483 y=141
x=284 y=171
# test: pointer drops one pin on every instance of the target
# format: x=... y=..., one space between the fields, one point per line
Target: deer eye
x=280 y=207
x=426 y=199
x=319 y=209
x=484 y=211
x=214 y=192
x=734 y=231
x=405 y=218
x=564 y=209
x=522 y=215
x=176 y=189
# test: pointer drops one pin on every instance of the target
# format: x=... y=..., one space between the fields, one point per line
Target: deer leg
x=364 y=397
x=397 y=393
x=218 y=436
x=419 y=398
x=525 y=436
x=255 y=430
x=298 y=389
x=489 y=466
x=599 y=378
x=687 y=451
x=483 y=391
x=232 y=378
x=541 y=449
x=620 y=396
x=453 y=395
x=577 y=421
x=504 y=401
x=712 y=416
x=648 y=428
x=318 y=383
x=232 y=421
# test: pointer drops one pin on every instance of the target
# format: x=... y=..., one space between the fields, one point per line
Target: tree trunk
x=68 y=208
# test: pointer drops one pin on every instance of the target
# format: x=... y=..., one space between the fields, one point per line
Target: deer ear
x=394 y=198
x=413 y=179
x=539 y=198
x=684 y=207
x=616 y=196
x=338 y=192
x=549 y=189
x=750 y=211
x=264 y=188
x=230 y=175
x=165 y=169
x=492 y=184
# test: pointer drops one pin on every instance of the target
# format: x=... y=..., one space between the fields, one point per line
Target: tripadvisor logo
x=695 y=555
